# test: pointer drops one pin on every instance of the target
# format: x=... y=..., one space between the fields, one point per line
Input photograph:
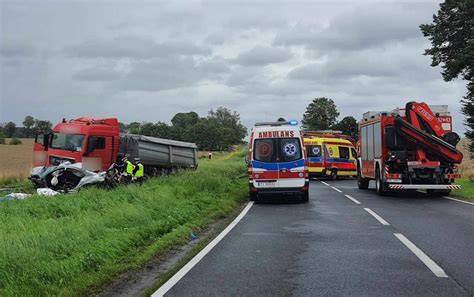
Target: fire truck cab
x=277 y=160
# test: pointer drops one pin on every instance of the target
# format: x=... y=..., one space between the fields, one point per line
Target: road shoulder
x=149 y=277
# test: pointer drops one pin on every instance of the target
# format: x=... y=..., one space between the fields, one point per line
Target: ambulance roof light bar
x=279 y=123
x=322 y=131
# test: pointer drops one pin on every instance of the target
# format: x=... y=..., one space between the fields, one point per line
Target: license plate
x=266 y=184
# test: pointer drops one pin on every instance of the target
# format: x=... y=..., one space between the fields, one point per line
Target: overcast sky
x=265 y=59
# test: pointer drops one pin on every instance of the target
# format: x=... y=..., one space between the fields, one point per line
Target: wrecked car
x=67 y=177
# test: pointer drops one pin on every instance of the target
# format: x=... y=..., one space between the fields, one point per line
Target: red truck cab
x=92 y=141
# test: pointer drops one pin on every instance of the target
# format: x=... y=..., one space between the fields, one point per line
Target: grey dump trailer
x=159 y=155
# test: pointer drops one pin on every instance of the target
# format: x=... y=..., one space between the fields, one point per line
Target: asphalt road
x=335 y=247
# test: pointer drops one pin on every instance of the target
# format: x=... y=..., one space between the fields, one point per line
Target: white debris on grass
x=47 y=192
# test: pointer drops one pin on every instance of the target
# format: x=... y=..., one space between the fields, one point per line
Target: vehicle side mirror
x=247 y=159
x=91 y=144
x=46 y=140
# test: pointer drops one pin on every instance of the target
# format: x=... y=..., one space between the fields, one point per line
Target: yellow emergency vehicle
x=330 y=154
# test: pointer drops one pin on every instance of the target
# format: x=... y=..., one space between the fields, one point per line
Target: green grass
x=467 y=189
x=72 y=244
x=15 y=184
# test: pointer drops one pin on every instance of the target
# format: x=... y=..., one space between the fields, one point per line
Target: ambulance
x=277 y=161
x=330 y=154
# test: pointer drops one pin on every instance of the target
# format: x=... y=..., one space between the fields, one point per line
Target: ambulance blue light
x=293 y=122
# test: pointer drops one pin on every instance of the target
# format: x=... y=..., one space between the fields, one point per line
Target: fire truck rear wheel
x=362 y=183
x=379 y=185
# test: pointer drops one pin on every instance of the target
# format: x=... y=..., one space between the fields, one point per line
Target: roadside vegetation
x=467 y=189
x=72 y=244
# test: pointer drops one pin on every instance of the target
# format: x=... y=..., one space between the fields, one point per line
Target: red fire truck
x=408 y=149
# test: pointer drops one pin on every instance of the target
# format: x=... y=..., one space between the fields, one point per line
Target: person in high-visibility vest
x=139 y=171
x=129 y=168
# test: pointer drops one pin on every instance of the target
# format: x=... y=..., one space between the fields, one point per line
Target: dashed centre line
x=353 y=199
x=334 y=188
x=377 y=217
x=324 y=183
x=438 y=271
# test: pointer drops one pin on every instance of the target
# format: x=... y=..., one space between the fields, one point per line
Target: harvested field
x=16 y=160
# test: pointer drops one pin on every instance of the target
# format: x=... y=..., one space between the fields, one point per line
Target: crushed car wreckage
x=68 y=177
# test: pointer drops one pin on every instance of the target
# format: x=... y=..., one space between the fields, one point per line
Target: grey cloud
x=174 y=72
x=13 y=50
x=168 y=57
x=97 y=74
x=382 y=62
x=363 y=27
x=259 y=56
x=214 y=66
x=134 y=47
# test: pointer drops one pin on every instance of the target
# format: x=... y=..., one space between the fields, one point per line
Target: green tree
x=452 y=40
x=147 y=129
x=182 y=123
x=134 y=128
x=10 y=129
x=321 y=114
x=2 y=137
x=163 y=130
x=208 y=134
x=230 y=120
x=28 y=122
x=348 y=126
x=42 y=125
x=122 y=127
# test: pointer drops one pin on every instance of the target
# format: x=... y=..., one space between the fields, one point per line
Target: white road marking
x=458 y=200
x=186 y=268
x=324 y=183
x=451 y=198
x=438 y=271
x=353 y=199
x=377 y=217
x=337 y=189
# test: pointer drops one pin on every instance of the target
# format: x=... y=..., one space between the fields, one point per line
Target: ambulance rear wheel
x=254 y=197
x=305 y=197
x=333 y=174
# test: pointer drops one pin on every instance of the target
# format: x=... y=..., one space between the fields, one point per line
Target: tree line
x=30 y=126
x=219 y=130
x=322 y=114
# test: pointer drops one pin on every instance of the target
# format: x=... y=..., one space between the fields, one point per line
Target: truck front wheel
x=362 y=183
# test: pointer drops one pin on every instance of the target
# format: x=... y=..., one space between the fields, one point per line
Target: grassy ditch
x=72 y=244
x=467 y=189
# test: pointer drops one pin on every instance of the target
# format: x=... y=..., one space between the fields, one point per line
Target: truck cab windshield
x=69 y=142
